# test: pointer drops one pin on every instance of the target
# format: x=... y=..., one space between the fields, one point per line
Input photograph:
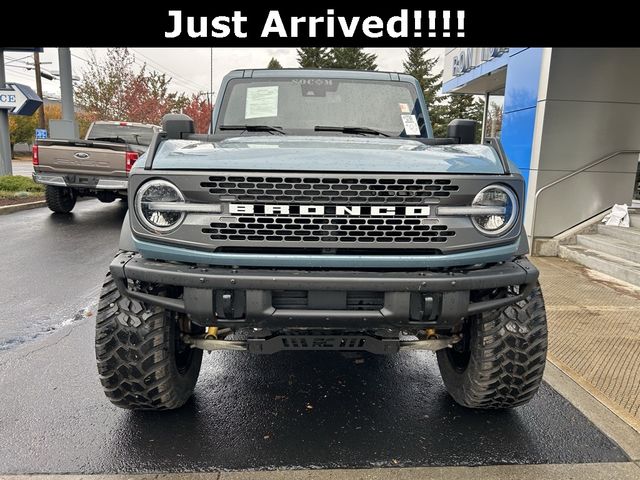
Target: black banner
x=437 y=24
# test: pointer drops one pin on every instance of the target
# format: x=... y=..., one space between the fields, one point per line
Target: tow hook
x=431 y=334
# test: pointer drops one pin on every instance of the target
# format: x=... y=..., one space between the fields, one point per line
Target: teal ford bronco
x=320 y=213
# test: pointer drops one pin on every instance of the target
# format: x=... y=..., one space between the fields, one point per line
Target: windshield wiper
x=253 y=128
x=363 y=130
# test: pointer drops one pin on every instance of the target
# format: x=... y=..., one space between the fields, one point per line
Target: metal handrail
x=572 y=174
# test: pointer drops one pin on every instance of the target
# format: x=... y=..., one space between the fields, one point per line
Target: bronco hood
x=327 y=154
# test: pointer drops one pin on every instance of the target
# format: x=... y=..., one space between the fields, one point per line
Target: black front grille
x=328 y=189
x=354 y=300
x=328 y=229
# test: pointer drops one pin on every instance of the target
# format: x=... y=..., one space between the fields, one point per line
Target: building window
x=493 y=119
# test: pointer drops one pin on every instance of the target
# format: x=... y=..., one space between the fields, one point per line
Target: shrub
x=17 y=183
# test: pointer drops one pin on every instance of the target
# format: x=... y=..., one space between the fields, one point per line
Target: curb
x=21 y=206
x=588 y=471
x=606 y=420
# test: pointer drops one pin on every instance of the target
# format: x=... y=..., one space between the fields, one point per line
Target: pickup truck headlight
x=155 y=207
x=503 y=202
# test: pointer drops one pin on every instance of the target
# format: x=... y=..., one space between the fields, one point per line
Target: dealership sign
x=466 y=59
x=19 y=99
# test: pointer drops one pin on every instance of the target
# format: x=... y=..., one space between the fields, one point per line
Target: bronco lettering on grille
x=338 y=210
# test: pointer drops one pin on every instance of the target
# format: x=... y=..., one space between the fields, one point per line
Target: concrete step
x=610 y=245
x=634 y=220
x=630 y=235
x=613 y=266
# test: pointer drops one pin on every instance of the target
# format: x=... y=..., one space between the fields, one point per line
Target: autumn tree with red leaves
x=111 y=89
x=199 y=109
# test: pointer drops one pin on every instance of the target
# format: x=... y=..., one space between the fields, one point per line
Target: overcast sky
x=190 y=68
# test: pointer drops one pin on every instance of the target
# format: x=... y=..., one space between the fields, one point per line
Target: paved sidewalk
x=22 y=167
x=594 y=333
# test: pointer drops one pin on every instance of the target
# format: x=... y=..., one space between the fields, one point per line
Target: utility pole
x=5 y=142
x=66 y=128
x=36 y=62
x=66 y=83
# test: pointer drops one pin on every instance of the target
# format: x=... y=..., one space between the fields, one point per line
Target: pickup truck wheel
x=106 y=197
x=60 y=199
x=500 y=361
x=142 y=362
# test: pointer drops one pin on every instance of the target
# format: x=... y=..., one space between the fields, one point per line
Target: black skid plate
x=344 y=343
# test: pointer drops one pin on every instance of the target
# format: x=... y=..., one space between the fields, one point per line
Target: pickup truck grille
x=329 y=189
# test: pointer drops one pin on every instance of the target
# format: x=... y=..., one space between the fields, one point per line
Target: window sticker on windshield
x=410 y=125
x=261 y=102
x=404 y=108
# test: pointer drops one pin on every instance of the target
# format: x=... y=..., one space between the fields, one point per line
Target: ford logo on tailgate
x=81 y=155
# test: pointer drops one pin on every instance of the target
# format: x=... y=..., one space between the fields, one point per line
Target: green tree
x=352 y=58
x=313 y=57
x=274 y=64
x=419 y=65
x=22 y=129
x=464 y=105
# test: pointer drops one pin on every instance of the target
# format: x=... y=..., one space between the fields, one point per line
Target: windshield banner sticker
x=261 y=102
x=410 y=125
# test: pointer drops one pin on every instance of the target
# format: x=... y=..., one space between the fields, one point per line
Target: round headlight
x=153 y=206
x=501 y=207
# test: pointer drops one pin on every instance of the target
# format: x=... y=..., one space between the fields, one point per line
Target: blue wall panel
x=517 y=137
x=523 y=76
x=520 y=101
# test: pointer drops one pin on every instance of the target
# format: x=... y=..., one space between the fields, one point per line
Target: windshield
x=307 y=106
x=110 y=132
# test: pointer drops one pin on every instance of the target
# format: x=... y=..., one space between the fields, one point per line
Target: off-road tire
x=141 y=362
x=501 y=361
x=60 y=199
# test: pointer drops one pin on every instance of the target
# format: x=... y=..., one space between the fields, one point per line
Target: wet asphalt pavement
x=287 y=410
x=51 y=266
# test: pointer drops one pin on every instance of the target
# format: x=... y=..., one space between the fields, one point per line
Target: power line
x=11 y=60
x=169 y=71
x=19 y=73
x=174 y=80
x=177 y=79
x=186 y=81
x=80 y=58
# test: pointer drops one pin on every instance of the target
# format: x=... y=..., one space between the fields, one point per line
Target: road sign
x=19 y=99
x=41 y=133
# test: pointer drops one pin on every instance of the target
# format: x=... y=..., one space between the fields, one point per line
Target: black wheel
x=60 y=199
x=142 y=362
x=500 y=361
x=105 y=196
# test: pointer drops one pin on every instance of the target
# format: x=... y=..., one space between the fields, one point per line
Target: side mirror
x=177 y=125
x=462 y=130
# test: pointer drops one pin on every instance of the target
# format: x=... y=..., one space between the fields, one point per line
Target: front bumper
x=88 y=182
x=243 y=297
